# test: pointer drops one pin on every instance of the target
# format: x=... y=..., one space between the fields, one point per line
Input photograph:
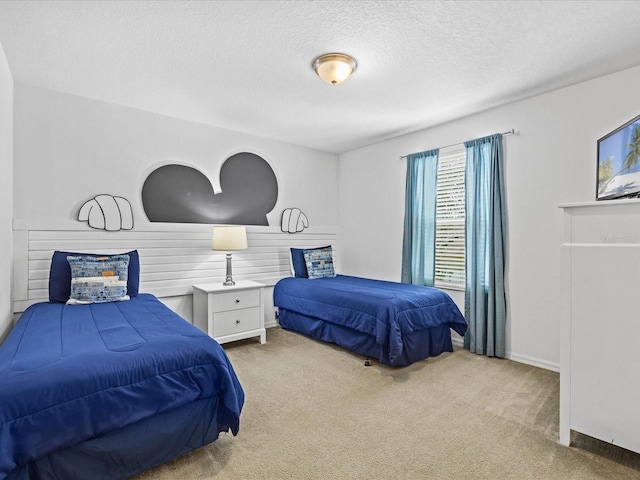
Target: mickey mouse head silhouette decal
x=180 y=194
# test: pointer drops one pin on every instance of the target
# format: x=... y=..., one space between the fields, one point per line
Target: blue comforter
x=71 y=373
x=386 y=310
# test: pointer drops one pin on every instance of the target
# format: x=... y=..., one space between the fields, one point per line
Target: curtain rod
x=504 y=134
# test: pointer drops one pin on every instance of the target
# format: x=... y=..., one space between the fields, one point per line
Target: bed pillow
x=319 y=262
x=98 y=279
x=298 y=263
x=60 y=274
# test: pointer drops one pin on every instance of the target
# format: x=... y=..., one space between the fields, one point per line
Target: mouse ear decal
x=293 y=220
x=182 y=194
x=107 y=212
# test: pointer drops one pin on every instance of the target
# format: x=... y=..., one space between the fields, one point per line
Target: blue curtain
x=485 y=303
x=419 y=241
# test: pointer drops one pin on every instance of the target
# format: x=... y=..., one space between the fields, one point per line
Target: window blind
x=450 y=219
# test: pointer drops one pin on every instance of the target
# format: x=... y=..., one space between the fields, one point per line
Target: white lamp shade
x=229 y=238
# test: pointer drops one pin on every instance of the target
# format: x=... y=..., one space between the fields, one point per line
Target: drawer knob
x=237 y=322
x=237 y=300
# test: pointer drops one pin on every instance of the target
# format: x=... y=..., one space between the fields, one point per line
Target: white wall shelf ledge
x=602 y=203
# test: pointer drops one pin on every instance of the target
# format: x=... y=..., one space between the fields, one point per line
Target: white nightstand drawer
x=236 y=321
x=230 y=313
x=237 y=299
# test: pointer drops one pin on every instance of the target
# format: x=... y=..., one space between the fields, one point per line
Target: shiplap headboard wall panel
x=172 y=258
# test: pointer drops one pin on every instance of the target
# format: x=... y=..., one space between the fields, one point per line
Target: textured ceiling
x=246 y=65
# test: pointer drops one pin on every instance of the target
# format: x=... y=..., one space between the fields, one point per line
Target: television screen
x=618 y=165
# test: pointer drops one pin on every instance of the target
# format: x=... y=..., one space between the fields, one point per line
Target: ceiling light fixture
x=334 y=68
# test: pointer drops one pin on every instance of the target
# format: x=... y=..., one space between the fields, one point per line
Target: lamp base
x=228 y=281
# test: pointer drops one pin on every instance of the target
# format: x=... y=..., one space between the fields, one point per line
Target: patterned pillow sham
x=60 y=273
x=298 y=264
x=319 y=262
x=98 y=279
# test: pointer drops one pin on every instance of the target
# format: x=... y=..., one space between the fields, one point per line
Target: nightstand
x=230 y=313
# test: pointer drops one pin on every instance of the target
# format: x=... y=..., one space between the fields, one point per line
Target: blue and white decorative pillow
x=98 y=279
x=319 y=262
x=298 y=263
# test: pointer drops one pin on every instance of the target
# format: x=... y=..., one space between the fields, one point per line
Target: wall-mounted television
x=619 y=162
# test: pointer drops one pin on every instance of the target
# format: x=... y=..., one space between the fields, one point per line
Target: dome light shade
x=334 y=68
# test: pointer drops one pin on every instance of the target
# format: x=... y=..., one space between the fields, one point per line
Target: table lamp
x=229 y=239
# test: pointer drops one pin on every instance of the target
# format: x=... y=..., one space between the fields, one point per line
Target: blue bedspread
x=71 y=373
x=386 y=310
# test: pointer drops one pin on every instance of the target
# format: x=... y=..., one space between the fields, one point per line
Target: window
x=450 y=219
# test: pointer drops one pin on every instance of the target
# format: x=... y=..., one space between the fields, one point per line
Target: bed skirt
x=122 y=453
x=429 y=342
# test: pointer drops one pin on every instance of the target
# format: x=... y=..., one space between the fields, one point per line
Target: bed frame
x=117 y=450
x=424 y=343
x=395 y=323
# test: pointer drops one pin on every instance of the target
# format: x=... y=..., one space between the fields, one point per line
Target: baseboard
x=271 y=324
x=535 y=362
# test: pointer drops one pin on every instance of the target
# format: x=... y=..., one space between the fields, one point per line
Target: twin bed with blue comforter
x=396 y=323
x=106 y=390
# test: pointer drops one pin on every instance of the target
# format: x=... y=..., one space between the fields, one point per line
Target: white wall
x=69 y=148
x=6 y=193
x=551 y=160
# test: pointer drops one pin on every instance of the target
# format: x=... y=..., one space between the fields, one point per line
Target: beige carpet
x=314 y=411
